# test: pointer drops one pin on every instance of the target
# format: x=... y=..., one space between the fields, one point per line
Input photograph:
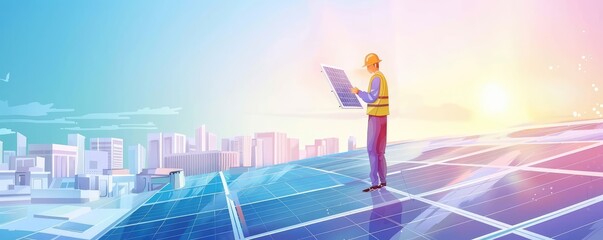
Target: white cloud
x=6 y=131
x=127 y=126
x=39 y=121
x=33 y=109
x=126 y=115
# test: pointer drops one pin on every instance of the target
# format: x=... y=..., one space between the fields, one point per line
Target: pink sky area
x=453 y=67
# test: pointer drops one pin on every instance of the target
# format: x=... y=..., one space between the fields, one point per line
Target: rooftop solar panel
x=449 y=152
x=451 y=192
x=583 y=223
x=341 y=86
x=522 y=195
x=587 y=160
x=521 y=154
x=422 y=180
x=539 y=132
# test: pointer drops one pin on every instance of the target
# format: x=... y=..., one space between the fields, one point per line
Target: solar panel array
x=512 y=190
x=341 y=86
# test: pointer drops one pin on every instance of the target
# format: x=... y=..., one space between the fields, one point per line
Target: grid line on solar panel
x=259 y=179
x=563 y=171
x=534 y=152
x=305 y=207
x=377 y=222
x=470 y=215
x=446 y=160
x=328 y=161
x=462 y=212
x=212 y=223
x=534 y=169
x=341 y=86
x=587 y=160
x=162 y=197
x=419 y=182
x=405 y=182
x=503 y=208
x=544 y=131
x=154 y=212
x=329 y=217
x=550 y=216
x=293 y=194
x=571 y=231
x=248 y=192
x=446 y=153
x=532 y=157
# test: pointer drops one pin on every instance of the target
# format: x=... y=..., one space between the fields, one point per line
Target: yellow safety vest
x=381 y=106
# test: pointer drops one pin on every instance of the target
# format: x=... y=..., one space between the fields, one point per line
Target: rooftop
x=530 y=183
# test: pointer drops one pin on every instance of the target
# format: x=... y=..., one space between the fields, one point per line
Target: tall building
x=21 y=144
x=202 y=162
x=201 y=139
x=173 y=143
x=321 y=146
x=136 y=158
x=212 y=142
x=351 y=143
x=275 y=148
x=311 y=151
x=302 y=154
x=331 y=145
x=78 y=141
x=23 y=163
x=6 y=155
x=155 y=150
x=60 y=160
x=242 y=145
x=225 y=146
x=113 y=146
x=293 y=149
x=257 y=153
x=96 y=162
x=191 y=146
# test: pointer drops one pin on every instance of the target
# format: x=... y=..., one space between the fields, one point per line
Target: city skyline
x=279 y=147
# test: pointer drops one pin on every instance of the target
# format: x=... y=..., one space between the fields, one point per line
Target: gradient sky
x=124 y=69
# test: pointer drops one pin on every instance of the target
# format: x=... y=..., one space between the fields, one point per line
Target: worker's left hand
x=355 y=90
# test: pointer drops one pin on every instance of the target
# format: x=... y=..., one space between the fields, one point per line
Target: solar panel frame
x=355 y=104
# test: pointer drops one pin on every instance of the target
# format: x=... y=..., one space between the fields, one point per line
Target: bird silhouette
x=6 y=78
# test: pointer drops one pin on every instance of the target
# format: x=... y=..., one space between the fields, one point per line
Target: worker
x=377 y=100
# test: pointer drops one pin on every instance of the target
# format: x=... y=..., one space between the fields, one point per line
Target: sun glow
x=494 y=99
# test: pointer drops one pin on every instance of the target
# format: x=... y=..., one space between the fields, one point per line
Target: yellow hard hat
x=371 y=59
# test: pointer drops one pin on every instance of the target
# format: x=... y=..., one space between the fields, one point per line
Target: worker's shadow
x=386 y=216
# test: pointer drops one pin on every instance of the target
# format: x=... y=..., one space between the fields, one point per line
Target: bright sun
x=494 y=99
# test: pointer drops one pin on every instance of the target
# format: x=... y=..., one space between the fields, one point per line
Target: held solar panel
x=341 y=86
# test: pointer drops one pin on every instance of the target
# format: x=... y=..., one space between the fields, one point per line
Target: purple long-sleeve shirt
x=371 y=97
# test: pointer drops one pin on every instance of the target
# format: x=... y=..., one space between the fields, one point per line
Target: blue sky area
x=102 y=70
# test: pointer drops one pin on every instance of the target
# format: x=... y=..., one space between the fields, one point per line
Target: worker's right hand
x=355 y=90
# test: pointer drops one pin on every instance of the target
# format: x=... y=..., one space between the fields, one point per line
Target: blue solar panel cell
x=511 y=236
x=341 y=86
x=521 y=154
x=587 y=160
x=583 y=223
x=427 y=178
x=392 y=219
x=522 y=195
